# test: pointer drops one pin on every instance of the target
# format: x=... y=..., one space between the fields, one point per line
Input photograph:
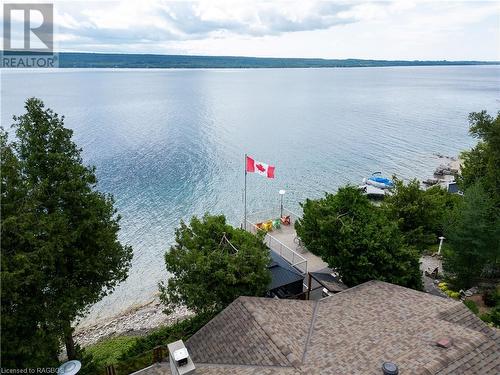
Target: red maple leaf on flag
x=260 y=167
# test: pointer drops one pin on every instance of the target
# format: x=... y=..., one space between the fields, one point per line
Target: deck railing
x=291 y=256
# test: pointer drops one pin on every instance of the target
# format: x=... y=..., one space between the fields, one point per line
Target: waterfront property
x=322 y=132
x=356 y=331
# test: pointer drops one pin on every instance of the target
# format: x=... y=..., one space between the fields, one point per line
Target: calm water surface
x=169 y=143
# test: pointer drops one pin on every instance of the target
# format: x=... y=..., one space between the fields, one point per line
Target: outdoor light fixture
x=282 y=193
x=441 y=238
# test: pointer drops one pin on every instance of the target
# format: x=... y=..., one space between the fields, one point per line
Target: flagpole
x=245 y=195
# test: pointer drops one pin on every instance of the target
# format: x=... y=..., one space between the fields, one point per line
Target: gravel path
x=429 y=263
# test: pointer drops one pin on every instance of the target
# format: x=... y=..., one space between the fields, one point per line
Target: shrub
x=452 y=294
x=165 y=335
x=495 y=316
x=108 y=351
x=485 y=317
x=472 y=306
x=491 y=298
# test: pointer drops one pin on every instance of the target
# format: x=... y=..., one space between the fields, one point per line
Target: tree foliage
x=60 y=252
x=473 y=226
x=482 y=162
x=357 y=239
x=29 y=337
x=212 y=263
x=473 y=231
x=419 y=213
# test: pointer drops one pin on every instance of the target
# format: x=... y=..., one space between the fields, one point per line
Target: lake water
x=169 y=144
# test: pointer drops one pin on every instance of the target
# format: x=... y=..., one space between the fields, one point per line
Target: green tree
x=473 y=232
x=357 y=239
x=482 y=162
x=58 y=231
x=213 y=263
x=419 y=213
x=28 y=337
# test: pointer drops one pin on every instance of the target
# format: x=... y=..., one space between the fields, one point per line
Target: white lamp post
x=441 y=238
x=282 y=193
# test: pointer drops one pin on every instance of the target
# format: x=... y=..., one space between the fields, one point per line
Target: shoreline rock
x=135 y=321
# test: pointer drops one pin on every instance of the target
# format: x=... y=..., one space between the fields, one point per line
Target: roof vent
x=390 y=368
x=180 y=361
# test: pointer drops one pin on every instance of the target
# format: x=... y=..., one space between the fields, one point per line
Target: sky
x=408 y=30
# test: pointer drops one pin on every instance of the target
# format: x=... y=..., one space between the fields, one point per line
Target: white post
x=440 y=244
x=245 y=196
x=282 y=193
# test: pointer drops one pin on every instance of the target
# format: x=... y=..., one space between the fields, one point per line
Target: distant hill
x=109 y=60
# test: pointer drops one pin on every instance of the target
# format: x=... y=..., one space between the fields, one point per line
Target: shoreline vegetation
x=139 y=320
x=117 y=60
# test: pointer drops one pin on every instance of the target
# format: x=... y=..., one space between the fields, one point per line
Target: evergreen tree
x=58 y=233
x=29 y=339
x=473 y=232
x=482 y=162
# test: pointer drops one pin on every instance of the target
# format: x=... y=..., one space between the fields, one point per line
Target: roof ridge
x=281 y=345
x=311 y=329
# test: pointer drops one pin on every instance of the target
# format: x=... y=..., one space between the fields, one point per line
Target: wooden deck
x=287 y=235
x=284 y=241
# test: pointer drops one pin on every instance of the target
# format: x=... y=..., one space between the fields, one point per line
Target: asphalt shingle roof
x=352 y=332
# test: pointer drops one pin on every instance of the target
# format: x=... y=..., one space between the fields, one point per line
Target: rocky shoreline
x=136 y=321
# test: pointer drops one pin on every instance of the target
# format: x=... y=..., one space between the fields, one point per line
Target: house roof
x=352 y=332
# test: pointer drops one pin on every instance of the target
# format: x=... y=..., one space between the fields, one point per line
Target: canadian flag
x=263 y=169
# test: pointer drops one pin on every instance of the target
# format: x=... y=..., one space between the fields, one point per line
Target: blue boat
x=379 y=181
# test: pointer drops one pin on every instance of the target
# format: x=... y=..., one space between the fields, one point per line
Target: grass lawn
x=109 y=350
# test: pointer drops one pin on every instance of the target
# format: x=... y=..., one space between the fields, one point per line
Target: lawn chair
x=285 y=220
x=277 y=224
x=267 y=226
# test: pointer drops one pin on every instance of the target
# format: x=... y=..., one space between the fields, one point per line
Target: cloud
x=152 y=20
x=280 y=28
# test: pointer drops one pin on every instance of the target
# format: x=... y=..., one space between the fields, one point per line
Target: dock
x=284 y=240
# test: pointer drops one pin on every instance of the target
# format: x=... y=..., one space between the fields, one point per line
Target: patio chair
x=277 y=224
x=285 y=220
x=267 y=226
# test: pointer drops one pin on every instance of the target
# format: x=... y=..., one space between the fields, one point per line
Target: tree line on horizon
x=116 y=60
x=61 y=254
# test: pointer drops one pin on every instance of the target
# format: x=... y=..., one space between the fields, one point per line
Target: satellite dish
x=69 y=368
